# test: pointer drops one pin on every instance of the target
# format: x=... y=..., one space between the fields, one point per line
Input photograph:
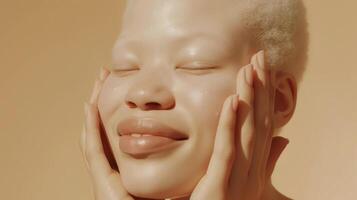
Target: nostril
x=152 y=105
x=131 y=104
x=149 y=105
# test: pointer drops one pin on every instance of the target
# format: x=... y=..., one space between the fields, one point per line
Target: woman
x=191 y=104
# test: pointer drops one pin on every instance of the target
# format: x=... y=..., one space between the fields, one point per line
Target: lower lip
x=145 y=144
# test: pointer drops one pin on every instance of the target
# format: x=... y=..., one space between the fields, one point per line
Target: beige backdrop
x=50 y=53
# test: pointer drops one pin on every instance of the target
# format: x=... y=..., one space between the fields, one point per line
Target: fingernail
x=254 y=61
x=260 y=59
x=248 y=75
x=235 y=101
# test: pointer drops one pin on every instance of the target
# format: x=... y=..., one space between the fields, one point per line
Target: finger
x=263 y=123
x=277 y=147
x=219 y=167
x=262 y=89
x=82 y=140
x=244 y=140
x=267 y=116
x=245 y=122
x=95 y=92
x=83 y=134
x=258 y=62
x=95 y=155
x=103 y=73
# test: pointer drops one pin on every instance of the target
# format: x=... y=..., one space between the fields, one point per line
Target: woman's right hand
x=106 y=181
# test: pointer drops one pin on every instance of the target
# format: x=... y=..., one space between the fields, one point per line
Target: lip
x=146 y=144
x=149 y=126
x=155 y=136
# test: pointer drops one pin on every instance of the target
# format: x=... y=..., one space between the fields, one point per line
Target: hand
x=106 y=181
x=245 y=151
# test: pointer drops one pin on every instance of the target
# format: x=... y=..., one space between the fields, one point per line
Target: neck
x=270 y=193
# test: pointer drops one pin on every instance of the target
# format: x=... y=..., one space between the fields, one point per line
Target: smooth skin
x=245 y=151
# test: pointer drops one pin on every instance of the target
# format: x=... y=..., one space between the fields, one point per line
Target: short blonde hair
x=280 y=28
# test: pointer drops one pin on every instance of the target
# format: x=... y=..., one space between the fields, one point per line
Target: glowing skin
x=172 y=46
x=170 y=55
x=183 y=58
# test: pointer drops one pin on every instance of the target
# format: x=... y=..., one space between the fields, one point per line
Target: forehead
x=174 y=23
x=151 y=17
x=165 y=44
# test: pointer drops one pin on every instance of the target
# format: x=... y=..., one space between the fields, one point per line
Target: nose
x=150 y=93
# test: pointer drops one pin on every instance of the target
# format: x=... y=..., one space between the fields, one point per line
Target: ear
x=285 y=89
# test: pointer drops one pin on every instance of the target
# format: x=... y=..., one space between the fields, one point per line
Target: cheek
x=110 y=98
x=201 y=99
x=205 y=106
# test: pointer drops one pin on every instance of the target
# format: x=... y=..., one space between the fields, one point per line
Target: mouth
x=146 y=144
x=139 y=136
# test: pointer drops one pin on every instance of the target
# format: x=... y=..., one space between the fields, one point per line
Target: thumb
x=278 y=144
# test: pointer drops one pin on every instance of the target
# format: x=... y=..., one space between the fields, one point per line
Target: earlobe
x=285 y=98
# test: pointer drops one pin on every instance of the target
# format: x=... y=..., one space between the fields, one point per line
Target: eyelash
x=198 y=71
x=193 y=70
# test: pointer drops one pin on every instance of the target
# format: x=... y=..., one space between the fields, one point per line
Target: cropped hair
x=280 y=28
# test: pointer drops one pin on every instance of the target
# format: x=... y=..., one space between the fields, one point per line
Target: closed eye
x=198 y=70
x=123 y=72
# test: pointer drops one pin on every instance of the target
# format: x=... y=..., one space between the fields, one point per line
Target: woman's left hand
x=245 y=151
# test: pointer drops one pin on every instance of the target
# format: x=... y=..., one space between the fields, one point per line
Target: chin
x=167 y=174
x=156 y=183
x=157 y=189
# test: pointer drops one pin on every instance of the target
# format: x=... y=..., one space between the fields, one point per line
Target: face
x=175 y=62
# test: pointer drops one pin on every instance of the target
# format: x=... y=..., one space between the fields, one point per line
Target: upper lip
x=149 y=126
